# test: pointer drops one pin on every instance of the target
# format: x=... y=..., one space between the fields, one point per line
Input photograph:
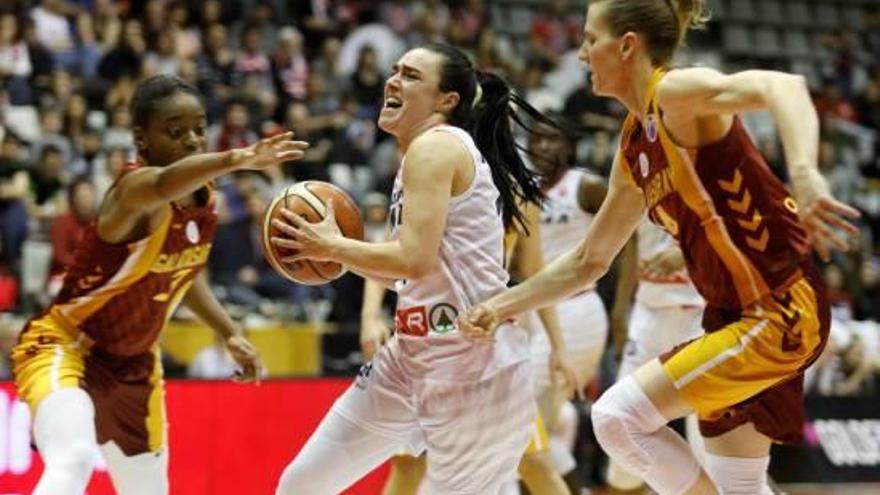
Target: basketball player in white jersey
x=573 y=195
x=523 y=258
x=468 y=405
x=667 y=312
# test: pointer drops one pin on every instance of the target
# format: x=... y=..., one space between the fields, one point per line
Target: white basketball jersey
x=672 y=290
x=563 y=221
x=469 y=269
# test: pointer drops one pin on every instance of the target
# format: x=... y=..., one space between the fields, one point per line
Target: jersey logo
x=651 y=128
x=442 y=318
x=192 y=232
x=412 y=321
x=644 y=164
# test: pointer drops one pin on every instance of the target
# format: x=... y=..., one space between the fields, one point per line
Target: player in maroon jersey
x=686 y=159
x=89 y=366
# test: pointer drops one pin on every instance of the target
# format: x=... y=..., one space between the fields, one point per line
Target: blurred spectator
x=314 y=164
x=830 y=102
x=261 y=20
x=233 y=131
x=592 y=112
x=555 y=32
x=289 y=65
x=47 y=186
x=107 y=169
x=326 y=64
x=41 y=57
x=118 y=133
x=105 y=23
x=253 y=71
x=14 y=191
x=125 y=58
x=367 y=82
x=53 y=30
x=396 y=14
x=317 y=19
x=89 y=157
x=215 y=66
x=15 y=61
x=184 y=38
x=375 y=205
x=843 y=180
x=472 y=17
x=237 y=262
x=67 y=230
x=163 y=58
x=75 y=113
x=51 y=133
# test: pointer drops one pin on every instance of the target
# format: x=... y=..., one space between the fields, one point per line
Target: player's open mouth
x=393 y=102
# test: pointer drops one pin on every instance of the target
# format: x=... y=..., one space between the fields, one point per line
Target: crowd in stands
x=68 y=69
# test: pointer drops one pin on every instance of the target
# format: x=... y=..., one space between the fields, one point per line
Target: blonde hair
x=663 y=24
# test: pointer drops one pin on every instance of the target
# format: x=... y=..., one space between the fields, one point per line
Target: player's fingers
x=295 y=219
x=286 y=243
x=828 y=235
x=287 y=156
x=833 y=219
x=284 y=136
x=840 y=208
x=285 y=228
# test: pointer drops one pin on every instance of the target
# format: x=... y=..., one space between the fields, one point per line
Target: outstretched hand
x=313 y=241
x=268 y=152
x=824 y=217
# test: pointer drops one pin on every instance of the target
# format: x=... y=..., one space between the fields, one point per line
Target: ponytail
x=691 y=14
x=487 y=109
x=497 y=109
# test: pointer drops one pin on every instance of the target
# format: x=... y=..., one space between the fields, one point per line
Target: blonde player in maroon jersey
x=686 y=159
x=89 y=366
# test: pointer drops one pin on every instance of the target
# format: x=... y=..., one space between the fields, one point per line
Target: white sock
x=739 y=475
x=64 y=431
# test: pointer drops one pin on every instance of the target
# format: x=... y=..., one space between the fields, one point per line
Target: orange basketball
x=309 y=200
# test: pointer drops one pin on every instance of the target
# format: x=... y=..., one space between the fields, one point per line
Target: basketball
x=309 y=200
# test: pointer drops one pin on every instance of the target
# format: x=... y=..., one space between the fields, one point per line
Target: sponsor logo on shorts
x=412 y=321
x=442 y=317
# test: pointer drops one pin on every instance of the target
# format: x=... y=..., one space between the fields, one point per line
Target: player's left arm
x=707 y=93
x=202 y=301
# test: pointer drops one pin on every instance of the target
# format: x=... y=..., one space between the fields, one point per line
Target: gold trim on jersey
x=142 y=255
x=749 y=284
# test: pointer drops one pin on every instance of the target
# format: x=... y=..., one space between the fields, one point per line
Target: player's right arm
x=146 y=189
x=614 y=224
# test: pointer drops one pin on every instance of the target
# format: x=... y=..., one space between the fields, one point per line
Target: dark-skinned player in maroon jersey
x=89 y=366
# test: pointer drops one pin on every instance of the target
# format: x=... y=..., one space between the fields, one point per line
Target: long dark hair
x=489 y=123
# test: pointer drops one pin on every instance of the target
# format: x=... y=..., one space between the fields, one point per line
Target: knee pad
x=622 y=417
x=632 y=431
x=739 y=475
